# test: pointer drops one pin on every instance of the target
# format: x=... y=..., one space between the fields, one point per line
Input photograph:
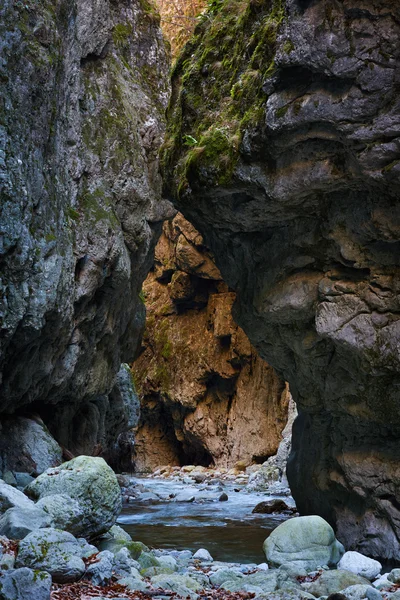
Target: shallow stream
x=227 y=529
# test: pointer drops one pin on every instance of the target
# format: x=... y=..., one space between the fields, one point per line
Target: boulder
x=360 y=564
x=203 y=555
x=25 y=584
x=18 y=522
x=89 y=481
x=26 y=445
x=268 y=507
x=10 y=497
x=54 y=551
x=334 y=581
x=307 y=541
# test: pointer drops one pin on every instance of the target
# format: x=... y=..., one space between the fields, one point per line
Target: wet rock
x=18 y=522
x=54 y=551
x=90 y=482
x=307 y=541
x=335 y=581
x=185 y=497
x=25 y=584
x=360 y=564
x=223 y=497
x=268 y=507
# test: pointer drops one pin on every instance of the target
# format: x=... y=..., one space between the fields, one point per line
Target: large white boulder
x=307 y=541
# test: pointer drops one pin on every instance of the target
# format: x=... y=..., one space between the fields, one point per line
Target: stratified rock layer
x=206 y=396
x=84 y=88
x=284 y=152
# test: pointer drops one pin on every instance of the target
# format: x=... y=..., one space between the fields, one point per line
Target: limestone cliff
x=84 y=88
x=284 y=152
x=206 y=396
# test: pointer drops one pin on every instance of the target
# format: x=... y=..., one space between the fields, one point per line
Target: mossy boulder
x=306 y=541
x=54 y=551
x=91 y=483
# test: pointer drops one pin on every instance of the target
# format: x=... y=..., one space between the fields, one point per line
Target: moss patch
x=217 y=90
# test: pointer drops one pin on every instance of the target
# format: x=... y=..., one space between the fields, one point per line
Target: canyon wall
x=283 y=150
x=206 y=396
x=84 y=90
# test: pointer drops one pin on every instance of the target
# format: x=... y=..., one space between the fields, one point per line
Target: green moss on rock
x=217 y=90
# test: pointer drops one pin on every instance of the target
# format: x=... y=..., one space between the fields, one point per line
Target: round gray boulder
x=307 y=541
x=90 y=482
x=54 y=551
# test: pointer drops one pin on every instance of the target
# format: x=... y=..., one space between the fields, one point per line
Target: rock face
x=84 y=88
x=206 y=397
x=27 y=446
x=283 y=151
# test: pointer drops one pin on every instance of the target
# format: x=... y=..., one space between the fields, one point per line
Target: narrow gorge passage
x=191 y=251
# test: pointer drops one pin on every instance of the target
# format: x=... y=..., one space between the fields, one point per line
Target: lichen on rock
x=84 y=89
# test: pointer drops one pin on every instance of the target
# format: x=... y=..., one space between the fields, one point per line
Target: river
x=227 y=529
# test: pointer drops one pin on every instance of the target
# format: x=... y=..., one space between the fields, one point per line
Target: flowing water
x=227 y=529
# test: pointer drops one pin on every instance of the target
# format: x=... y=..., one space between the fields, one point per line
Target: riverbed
x=228 y=529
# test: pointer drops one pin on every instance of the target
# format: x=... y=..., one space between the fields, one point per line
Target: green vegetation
x=121 y=34
x=217 y=90
x=97 y=206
